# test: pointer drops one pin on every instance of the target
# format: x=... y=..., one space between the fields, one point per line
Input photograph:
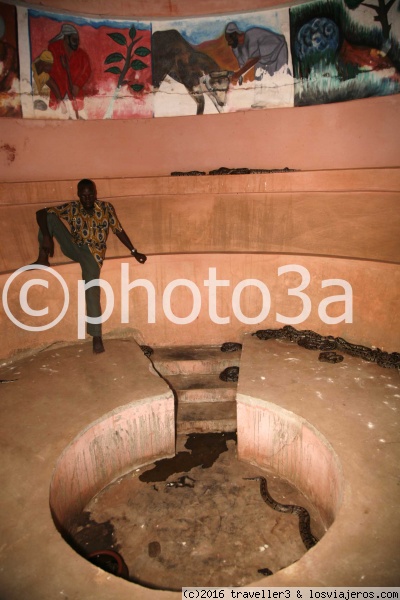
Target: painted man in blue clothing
x=259 y=47
x=89 y=220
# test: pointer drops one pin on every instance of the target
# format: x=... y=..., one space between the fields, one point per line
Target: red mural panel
x=96 y=72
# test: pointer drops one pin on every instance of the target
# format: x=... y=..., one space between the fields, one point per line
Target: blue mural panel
x=345 y=50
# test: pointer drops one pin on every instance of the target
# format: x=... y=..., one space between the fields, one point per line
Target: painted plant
x=381 y=10
x=124 y=64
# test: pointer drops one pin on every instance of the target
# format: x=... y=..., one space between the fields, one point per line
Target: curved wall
x=340 y=225
x=130 y=436
x=181 y=315
x=340 y=209
x=358 y=134
x=157 y=8
x=349 y=214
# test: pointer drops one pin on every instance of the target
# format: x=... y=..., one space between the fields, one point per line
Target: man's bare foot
x=98 y=347
x=42 y=259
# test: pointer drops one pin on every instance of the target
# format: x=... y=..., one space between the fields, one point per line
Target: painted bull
x=172 y=55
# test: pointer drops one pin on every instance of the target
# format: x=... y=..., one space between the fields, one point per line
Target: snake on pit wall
x=304 y=516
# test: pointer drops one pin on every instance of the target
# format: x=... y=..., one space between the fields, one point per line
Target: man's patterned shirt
x=89 y=228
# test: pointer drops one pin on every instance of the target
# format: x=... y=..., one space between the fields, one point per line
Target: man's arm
x=250 y=63
x=47 y=243
x=123 y=237
x=52 y=84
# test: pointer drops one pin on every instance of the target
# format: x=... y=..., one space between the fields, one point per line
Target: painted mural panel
x=10 y=105
x=345 y=50
x=59 y=66
x=87 y=69
x=223 y=64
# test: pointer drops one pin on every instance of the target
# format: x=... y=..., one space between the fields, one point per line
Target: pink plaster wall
x=157 y=8
x=131 y=436
x=376 y=320
x=357 y=134
x=337 y=224
x=283 y=442
x=360 y=135
x=344 y=213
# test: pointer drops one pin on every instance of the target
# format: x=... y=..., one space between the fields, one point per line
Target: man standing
x=89 y=220
x=259 y=47
x=71 y=69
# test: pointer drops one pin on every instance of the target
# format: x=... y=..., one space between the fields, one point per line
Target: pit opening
x=189 y=517
x=193 y=520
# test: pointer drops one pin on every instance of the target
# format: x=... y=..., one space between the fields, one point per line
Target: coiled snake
x=315 y=341
x=227 y=171
x=304 y=516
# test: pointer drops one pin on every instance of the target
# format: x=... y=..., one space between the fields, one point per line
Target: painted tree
x=382 y=9
x=129 y=62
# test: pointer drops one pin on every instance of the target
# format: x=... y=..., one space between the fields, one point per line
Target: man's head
x=87 y=193
x=72 y=41
x=233 y=35
x=70 y=35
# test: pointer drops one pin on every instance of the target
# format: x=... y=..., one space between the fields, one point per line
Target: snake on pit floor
x=304 y=516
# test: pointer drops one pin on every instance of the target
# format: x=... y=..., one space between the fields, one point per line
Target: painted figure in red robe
x=71 y=70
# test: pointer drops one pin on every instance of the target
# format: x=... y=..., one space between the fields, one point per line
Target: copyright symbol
x=23 y=298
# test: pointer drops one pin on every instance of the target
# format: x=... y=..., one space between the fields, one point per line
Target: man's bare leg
x=98 y=347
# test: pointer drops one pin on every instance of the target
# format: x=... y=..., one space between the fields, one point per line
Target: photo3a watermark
x=209 y=296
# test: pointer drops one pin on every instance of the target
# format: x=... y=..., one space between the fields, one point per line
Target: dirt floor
x=194 y=521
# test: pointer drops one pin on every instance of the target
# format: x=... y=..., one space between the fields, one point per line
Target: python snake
x=227 y=171
x=304 y=516
x=315 y=341
x=231 y=347
x=230 y=374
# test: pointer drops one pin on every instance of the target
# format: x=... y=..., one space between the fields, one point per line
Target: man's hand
x=140 y=257
x=48 y=245
x=235 y=78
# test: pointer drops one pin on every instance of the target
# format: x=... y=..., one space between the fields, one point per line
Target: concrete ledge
x=81 y=420
x=331 y=430
x=333 y=180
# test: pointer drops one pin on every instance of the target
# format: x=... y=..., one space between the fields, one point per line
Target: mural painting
x=345 y=50
x=10 y=105
x=197 y=72
x=58 y=66
x=88 y=69
x=222 y=65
